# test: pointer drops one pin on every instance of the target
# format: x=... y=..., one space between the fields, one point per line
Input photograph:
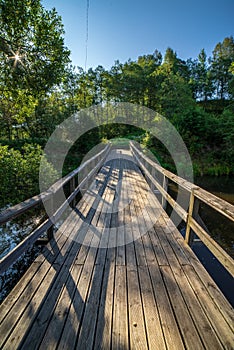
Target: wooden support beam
x=192 y=214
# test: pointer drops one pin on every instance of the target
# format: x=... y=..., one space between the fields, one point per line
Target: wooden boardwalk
x=117 y=275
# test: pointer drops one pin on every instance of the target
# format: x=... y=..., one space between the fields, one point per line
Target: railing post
x=72 y=189
x=153 y=175
x=165 y=186
x=50 y=231
x=192 y=214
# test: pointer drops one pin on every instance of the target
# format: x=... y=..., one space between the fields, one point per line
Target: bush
x=19 y=173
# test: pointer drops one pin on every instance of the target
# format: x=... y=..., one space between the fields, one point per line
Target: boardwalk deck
x=117 y=275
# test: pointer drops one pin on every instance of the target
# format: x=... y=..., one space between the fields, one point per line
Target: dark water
x=222 y=186
x=11 y=234
x=220 y=229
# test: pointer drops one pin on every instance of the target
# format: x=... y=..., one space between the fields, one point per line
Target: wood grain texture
x=117 y=275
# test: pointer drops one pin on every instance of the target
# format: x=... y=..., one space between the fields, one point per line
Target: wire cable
x=87 y=34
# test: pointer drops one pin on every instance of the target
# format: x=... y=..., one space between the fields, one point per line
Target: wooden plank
x=88 y=232
x=13 y=255
x=171 y=248
x=87 y=331
x=138 y=337
x=151 y=258
x=67 y=340
x=157 y=247
x=215 y=202
x=74 y=317
x=214 y=247
x=56 y=324
x=136 y=229
x=201 y=320
x=104 y=324
x=204 y=327
x=56 y=256
x=216 y=295
x=152 y=320
x=16 y=335
x=167 y=239
x=52 y=247
x=18 y=290
x=40 y=309
x=121 y=255
x=151 y=243
x=130 y=247
x=120 y=312
x=120 y=239
x=185 y=322
x=18 y=310
x=182 y=213
x=104 y=321
x=169 y=326
x=222 y=328
x=105 y=218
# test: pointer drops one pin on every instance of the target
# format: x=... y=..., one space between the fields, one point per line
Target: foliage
x=33 y=54
x=39 y=90
x=19 y=172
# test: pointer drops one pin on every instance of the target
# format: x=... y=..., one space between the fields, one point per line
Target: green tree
x=33 y=55
x=221 y=63
x=200 y=77
x=175 y=64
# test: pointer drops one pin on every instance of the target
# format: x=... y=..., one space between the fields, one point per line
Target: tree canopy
x=39 y=88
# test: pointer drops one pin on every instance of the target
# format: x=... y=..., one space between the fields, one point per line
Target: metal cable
x=87 y=34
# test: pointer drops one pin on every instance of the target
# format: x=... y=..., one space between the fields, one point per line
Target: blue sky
x=123 y=29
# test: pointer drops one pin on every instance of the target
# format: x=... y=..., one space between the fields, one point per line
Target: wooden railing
x=190 y=216
x=74 y=186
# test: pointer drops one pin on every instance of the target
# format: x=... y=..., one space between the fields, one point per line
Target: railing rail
x=47 y=226
x=190 y=217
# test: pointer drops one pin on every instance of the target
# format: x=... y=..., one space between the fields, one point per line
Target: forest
x=40 y=88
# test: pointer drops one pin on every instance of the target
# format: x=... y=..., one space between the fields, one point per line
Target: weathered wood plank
x=169 y=326
x=204 y=327
x=56 y=324
x=216 y=295
x=87 y=330
x=187 y=328
x=151 y=294
x=138 y=337
x=56 y=256
x=221 y=327
x=104 y=321
x=50 y=251
x=74 y=317
x=197 y=193
x=120 y=311
x=152 y=320
x=214 y=247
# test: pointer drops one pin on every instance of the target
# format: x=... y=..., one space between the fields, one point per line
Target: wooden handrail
x=23 y=207
x=197 y=194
